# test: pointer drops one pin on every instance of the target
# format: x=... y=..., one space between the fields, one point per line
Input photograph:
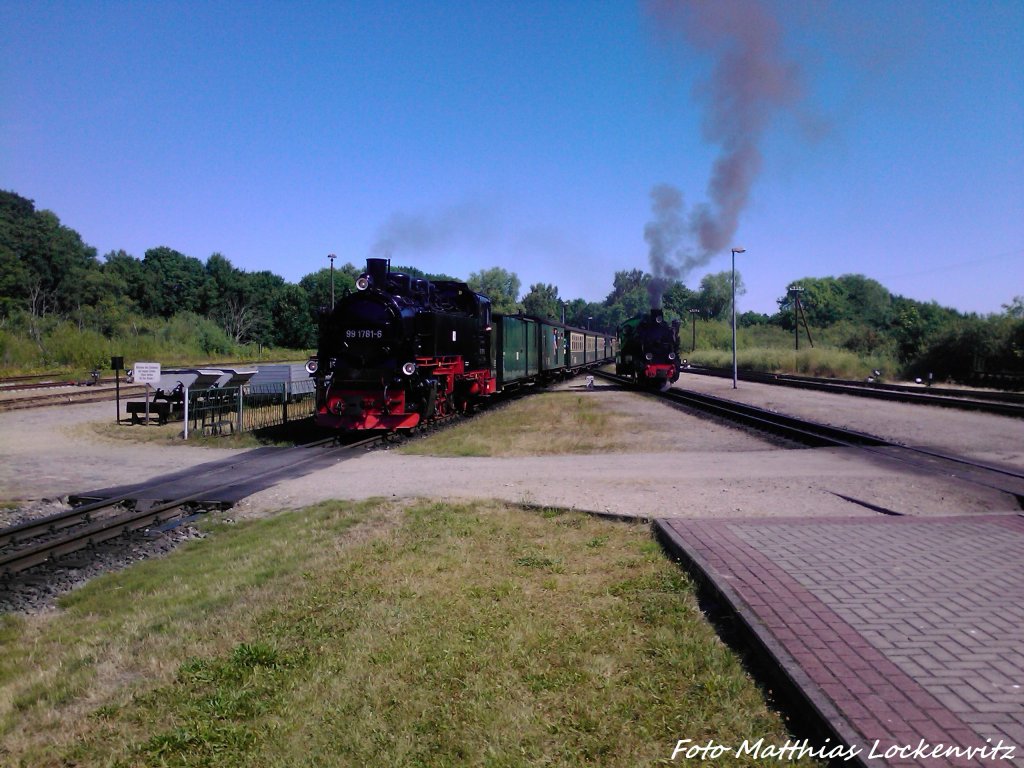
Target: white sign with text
x=146 y=373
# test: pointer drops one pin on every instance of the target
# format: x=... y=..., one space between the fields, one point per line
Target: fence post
x=239 y=427
x=284 y=402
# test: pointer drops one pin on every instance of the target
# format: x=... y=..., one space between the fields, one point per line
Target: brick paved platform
x=894 y=629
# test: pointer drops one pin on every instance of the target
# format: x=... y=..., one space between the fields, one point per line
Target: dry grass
x=552 y=423
x=351 y=635
x=162 y=434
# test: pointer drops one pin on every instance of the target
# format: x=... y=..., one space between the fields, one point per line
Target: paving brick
x=909 y=627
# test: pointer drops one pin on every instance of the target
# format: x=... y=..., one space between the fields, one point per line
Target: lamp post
x=693 y=314
x=332 y=257
x=734 y=252
x=588 y=322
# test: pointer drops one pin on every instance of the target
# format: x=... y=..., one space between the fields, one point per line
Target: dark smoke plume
x=406 y=232
x=750 y=84
x=665 y=236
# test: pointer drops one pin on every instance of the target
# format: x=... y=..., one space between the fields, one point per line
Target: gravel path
x=45 y=454
x=703 y=469
x=693 y=467
x=984 y=436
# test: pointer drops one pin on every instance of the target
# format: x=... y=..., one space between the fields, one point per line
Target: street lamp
x=734 y=252
x=588 y=322
x=332 y=257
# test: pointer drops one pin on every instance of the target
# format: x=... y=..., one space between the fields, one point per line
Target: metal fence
x=226 y=410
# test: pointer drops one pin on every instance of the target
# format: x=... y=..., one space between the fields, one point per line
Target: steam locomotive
x=403 y=350
x=648 y=350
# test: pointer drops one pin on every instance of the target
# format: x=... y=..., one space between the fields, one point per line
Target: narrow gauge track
x=32 y=380
x=79 y=395
x=44 y=540
x=1001 y=403
x=42 y=381
x=1001 y=478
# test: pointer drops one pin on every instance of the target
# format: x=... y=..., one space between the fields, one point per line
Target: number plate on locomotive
x=362 y=333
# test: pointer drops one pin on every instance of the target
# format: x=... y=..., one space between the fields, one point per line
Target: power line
x=946 y=268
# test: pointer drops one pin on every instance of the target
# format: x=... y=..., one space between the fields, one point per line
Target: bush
x=67 y=346
x=973 y=346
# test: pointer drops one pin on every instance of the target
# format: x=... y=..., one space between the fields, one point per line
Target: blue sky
x=464 y=135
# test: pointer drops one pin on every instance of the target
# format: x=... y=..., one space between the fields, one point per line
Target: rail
x=1002 y=478
x=86 y=525
x=1000 y=403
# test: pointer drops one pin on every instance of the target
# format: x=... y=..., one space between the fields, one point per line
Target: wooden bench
x=160 y=408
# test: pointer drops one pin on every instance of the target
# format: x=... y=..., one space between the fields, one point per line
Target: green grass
x=61 y=345
x=352 y=635
x=819 y=361
x=768 y=349
x=545 y=424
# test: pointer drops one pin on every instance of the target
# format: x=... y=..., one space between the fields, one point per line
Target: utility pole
x=734 y=367
x=794 y=294
x=798 y=315
x=693 y=315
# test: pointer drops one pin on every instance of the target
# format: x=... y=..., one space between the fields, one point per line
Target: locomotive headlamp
x=363 y=283
x=409 y=369
x=312 y=365
x=671 y=355
x=649 y=356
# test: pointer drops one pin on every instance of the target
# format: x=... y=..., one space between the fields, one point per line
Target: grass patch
x=543 y=424
x=349 y=635
x=819 y=361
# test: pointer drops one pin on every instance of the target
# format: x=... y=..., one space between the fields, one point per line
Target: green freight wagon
x=518 y=341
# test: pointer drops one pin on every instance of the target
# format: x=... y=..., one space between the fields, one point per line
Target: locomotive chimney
x=378 y=270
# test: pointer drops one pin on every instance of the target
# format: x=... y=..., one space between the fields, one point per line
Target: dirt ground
x=689 y=466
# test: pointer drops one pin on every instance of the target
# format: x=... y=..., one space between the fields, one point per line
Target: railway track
x=1001 y=478
x=109 y=513
x=77 y=395
x=986 y=401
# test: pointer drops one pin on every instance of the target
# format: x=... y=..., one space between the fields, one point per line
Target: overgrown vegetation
x=62 y=307
x=367 y=634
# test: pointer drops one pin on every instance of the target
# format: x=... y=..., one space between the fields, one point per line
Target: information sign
x=146 y=373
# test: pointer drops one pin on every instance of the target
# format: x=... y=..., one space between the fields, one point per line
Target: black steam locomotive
x=401 y=350
x=649 y=350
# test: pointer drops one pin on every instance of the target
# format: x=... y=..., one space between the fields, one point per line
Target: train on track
x=648 y=350
x=401 y=351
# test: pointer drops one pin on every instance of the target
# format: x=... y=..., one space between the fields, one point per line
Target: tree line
x=50 y=277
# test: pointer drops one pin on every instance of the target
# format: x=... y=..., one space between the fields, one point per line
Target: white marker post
x=147 y=373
